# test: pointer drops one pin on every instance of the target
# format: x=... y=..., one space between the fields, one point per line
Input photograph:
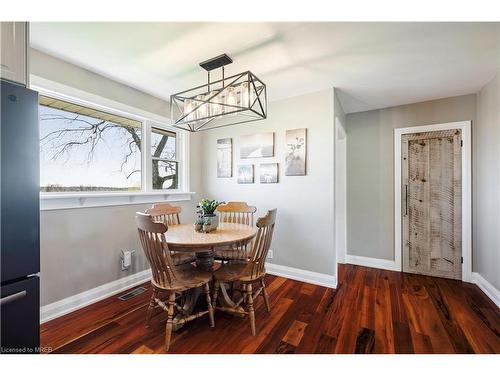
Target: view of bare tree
x=170 y=167
x=82 y=132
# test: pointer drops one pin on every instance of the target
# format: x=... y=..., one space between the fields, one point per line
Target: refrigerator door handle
x=12 y=298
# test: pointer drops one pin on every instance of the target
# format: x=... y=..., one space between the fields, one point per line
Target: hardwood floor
x=371 y=311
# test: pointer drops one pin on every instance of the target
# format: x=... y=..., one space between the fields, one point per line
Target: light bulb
x=202 y=109
x=188 y=107
x=214 y=108
x=244 y=97
x=231 y=99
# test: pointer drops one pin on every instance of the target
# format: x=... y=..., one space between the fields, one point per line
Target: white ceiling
x=375 y=65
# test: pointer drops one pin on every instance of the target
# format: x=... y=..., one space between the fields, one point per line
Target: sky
x=73 y=168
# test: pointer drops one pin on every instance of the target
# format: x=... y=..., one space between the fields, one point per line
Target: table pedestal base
x=205 y=260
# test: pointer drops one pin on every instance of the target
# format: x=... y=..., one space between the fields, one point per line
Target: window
x=84 y=149
x=107 y=153
x=165 y=167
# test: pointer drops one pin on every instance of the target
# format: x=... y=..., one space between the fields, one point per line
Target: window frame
x=177 y=159
x=62 y=200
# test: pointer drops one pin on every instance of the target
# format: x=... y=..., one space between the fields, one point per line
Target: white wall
x=486 y=209
x=304 y=236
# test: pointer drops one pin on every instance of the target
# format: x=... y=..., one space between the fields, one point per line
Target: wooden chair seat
x=188 y=277
x=237 y=272
x=182 y=258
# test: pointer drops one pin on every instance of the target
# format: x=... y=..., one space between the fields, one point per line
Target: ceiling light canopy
x=228 y=101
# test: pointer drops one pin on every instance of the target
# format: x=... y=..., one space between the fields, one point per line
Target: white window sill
x=62 y=201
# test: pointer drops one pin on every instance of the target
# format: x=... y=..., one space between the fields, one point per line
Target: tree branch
x=62 y=141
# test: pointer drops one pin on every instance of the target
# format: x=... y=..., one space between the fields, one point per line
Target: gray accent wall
x=486 y=200
x=370 y=168
x=304 y=234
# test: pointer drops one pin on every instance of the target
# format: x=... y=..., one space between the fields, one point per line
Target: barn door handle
x=406 y=200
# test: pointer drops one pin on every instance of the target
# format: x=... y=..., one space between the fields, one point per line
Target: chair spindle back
x=152 y=236
x=236 y=212
x=165 y=213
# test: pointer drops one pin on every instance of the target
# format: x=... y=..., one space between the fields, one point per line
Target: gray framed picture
x=268 y=173
x=259 y=145
x=245 y=174
x=225 y=157
x=296 y=148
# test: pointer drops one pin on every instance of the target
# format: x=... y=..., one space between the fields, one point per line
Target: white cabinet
x=14 y=51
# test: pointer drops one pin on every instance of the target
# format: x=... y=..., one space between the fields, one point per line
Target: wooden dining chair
x=167 y=278
x=250 y=271
x=169 y=215
x=239 y=213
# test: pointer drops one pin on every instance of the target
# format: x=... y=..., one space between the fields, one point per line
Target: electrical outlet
x=126 y=259
x=270 y=254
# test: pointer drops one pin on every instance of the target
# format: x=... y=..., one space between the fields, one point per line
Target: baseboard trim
x=372 y=262
x=69 y=304
x=488 y=289
x=329 y=281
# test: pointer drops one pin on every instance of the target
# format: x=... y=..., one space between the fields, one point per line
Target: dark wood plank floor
x=371 y=311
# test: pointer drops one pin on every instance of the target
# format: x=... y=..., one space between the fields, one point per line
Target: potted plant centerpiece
x=210 y=220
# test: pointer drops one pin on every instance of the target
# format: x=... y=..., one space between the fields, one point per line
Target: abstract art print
x=225 y=157
x=269 y=173
x=295 y=161
x=245 y=174
x=259 y=145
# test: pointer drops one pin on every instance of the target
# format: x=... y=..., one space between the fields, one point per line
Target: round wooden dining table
x=183 y=238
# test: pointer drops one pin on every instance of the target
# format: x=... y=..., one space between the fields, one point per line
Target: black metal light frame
x=254 y=110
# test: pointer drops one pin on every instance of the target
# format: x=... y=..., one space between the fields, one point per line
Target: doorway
x=432 y=186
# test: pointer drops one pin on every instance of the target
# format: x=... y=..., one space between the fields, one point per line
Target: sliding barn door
x=431 y=204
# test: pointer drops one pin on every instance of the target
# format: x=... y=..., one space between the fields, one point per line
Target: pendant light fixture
x=227 y=101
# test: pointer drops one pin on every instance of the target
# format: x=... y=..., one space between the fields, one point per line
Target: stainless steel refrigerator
x=20 y=220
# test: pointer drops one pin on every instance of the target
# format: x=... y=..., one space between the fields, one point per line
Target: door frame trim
x=465 y=127
x=340 y=177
